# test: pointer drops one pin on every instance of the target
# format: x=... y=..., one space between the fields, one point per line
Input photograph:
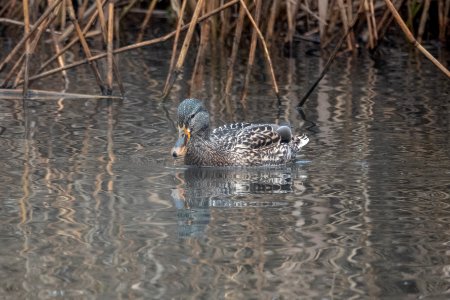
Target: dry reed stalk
x=174 y=47
x=73 y=41
x=105 y=35
x=412 y=40
x=184 y=47
x=8 y=9
x=333 y=20
x=351 y=35
x=423 y=20
x=196 y=79
x=272 y=19
x=15 y=9
x=12 y=71
x=234 y=49
x=213 y=21
x=32 y=46
x=266 y=51
x=251 y=53
x=374 y=22
x=345 y=23
x=56 y=44
x=350 y=9
x=82 y=9
x=42 y=94
x=148 y=15
x=61 y=62
x=101 y=19
x=19 y=76
x=26 y=15
x=386 y=20
x=215 y=48
x=225 y=25
x=323 y=10
x=171 y=34
x=85 y=46
x=369 y=24
x=109 y=78
x=117 y=30
x=27 y=36
x=189 y=34
x=133 y=46
x=291 y=12
x=309 y=12
x=5 y=8
x=330 y=59
x=370 y=28
x=116 y=70
x=127 y=8
x=117 y=73
x=70 y=28
x=19 y=23
x=443 y=18
x=63 y=14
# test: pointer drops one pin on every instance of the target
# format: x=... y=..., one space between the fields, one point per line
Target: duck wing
x=258 y=136
x=250 y=136
x=229 y=129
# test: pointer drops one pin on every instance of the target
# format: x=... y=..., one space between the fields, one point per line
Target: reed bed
x=236 y=27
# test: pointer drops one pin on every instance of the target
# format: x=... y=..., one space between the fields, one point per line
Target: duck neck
x=201 y=136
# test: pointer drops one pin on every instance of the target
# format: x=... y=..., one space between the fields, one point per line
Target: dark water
x=93 y=206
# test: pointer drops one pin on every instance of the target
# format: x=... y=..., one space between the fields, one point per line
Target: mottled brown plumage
x=238 y=144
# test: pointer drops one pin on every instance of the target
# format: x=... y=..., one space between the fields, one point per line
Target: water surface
x=94 y=207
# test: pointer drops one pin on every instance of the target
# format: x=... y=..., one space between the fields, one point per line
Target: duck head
x=193 y=121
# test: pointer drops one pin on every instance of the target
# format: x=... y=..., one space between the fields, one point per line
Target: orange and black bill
x=180 y=145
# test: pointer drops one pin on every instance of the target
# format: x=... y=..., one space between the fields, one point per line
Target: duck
x=236 y=144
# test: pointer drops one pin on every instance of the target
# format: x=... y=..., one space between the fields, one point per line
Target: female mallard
x=239 y=144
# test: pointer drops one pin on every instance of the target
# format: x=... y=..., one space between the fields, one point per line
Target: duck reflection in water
x=231 y=147
x=204 y=189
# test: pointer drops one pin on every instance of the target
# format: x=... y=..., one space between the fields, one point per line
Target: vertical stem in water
x=234 y=50
x=345 y=22
x=443 y=18
x=73 y=41
x=148 y=15
x=423 y=20
x=27 y=36
x=109 y=78
x=85 y=46
x=26 y=17
x=272 y=19
x=266 y=51
x=412 y=40
x=174 y=48
x=251 y=54
x=323 y=9
x=197 y=78
x=185 y=47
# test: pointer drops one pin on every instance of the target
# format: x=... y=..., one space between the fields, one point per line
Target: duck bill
x=179 y=149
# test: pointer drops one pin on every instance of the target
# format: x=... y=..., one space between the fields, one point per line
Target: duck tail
x=300 y=141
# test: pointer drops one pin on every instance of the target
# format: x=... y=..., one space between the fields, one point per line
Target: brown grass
x=221 y=23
